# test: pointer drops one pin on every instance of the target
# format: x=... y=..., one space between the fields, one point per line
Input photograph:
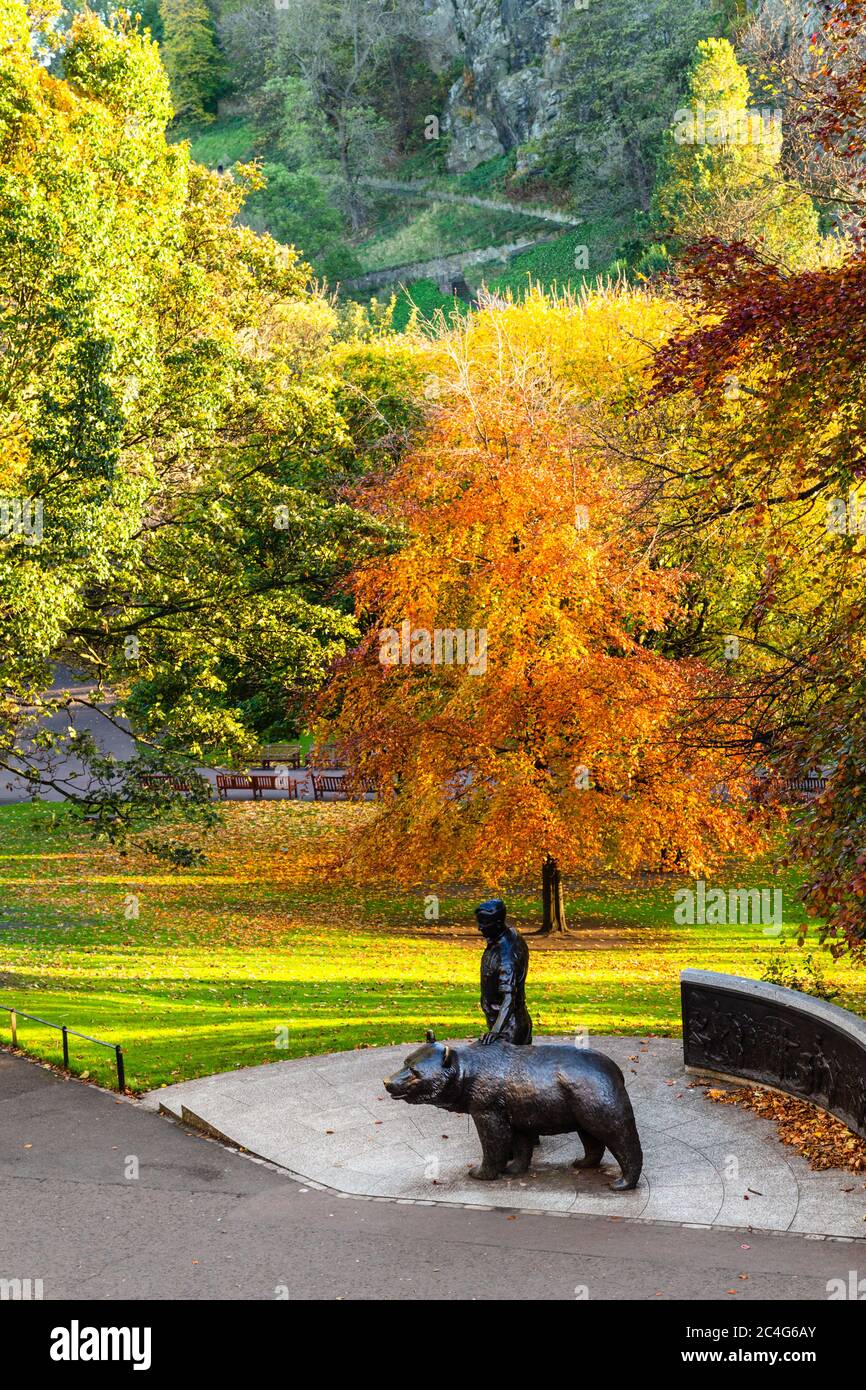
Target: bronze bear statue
x=514 y=1093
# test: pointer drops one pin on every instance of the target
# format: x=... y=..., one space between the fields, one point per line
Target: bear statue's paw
x=484 y=1174
x=622 y=1185
x=586 y=1162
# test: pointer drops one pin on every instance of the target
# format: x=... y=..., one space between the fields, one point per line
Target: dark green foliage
x=655 y=260
x=794 y=968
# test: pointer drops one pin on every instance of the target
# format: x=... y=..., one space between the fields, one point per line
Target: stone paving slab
x=329 y=1121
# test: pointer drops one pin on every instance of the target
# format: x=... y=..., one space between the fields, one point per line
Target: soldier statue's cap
x=493 y=907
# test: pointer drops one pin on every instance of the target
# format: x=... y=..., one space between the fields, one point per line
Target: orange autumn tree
x=511 y=698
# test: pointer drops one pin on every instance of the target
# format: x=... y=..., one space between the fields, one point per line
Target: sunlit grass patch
x=258 y=948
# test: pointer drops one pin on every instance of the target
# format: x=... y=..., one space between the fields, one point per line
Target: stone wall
x=793 y=1042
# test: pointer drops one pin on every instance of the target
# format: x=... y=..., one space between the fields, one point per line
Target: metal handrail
x=15 y=1014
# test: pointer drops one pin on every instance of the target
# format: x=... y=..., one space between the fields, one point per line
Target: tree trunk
x=354 y=208
x=402 y=102
x=553 y=898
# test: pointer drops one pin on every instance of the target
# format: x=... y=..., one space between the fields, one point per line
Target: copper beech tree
x=509 y=697
x=790 y=451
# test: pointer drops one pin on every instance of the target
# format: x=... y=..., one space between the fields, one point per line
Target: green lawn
x=553 y=264
x=425 y=296
x=228 y=141
x=222 y=957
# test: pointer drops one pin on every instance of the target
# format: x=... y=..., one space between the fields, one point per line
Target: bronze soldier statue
x=503 y=977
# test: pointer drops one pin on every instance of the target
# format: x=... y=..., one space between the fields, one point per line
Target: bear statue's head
x=425 y=1074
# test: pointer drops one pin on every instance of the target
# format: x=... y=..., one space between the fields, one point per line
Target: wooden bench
x=158 y=779
x=810 y=785
x=233 y=782
x=324 y=758
x=265 y=782
x=345 y=788
x=288 y=753
x=790 y=789
x=323 y=785
x=270 y=754
x=275 y=782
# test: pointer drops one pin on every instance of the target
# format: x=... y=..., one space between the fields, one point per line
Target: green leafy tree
x=172 y=519
x=295 y=208
x=192 y=58
x=720 y=174
x=339 y=50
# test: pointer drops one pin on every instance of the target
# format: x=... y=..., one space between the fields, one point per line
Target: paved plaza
x=329 y=1120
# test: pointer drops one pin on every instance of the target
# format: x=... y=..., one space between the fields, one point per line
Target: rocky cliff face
x=512 y=51
x=511 y=85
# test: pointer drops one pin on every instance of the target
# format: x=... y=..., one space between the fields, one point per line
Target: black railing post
x=62 y=1028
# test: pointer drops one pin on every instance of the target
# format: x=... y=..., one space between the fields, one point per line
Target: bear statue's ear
x=430 y=1036
x=446 y=1055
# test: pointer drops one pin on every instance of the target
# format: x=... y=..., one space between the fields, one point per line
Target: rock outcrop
x=513 y=56
x=511 y=85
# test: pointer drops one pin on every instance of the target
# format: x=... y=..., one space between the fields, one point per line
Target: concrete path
x=68 y=776
x=202 y=1222
x=328 y=1120
x=430 y=193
